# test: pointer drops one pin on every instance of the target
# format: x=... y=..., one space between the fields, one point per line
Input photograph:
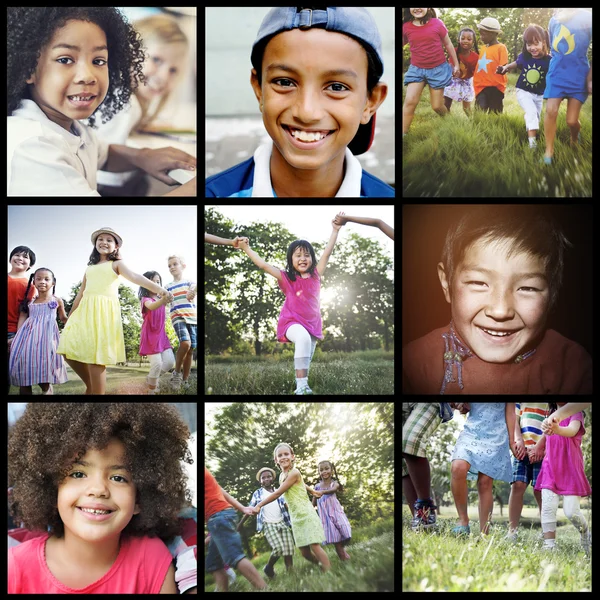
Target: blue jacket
x=240 y=180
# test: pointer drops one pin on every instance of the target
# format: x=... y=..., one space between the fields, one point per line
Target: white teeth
x=497 y=333
x=307 y=137
x=95 y=512
x=80 y=98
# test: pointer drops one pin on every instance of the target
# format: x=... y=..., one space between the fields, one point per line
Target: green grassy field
x=437 y=561
x=489 y=156
x=370 y=568
x=333 y=373
x=119 y=380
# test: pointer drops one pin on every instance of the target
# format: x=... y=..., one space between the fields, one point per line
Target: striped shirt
x=531 y=415
x=181 y=309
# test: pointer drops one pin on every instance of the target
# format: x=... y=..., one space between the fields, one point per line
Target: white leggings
x=161 y=363
x=305 y=345
x=570 y=508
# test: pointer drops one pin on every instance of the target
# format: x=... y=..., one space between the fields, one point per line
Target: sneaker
x=269 y=572
x=49 y=391
x=461 y=530
x=305 y=391
x=424 y=515
x=176 y=379
x=511 y=537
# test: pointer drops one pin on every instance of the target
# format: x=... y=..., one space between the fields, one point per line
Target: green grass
x=370 y=568
x=438 y=561
x=335 y=373
x=488 y=155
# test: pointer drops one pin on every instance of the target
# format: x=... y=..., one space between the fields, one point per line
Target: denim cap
x=354 y=21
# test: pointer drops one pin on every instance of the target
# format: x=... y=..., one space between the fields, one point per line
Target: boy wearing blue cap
x=316 y=77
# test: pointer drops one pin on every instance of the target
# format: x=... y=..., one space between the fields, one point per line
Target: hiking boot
x=424 y=515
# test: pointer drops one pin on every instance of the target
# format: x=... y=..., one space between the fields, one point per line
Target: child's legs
x=459 y=471
x=409 y=491
x=182 y=352
x=552 y=106
x=467 y=108
x=308 y=555
x=321 y=556
x=248 y=570
x=515 y=504
x=187 y=363
x=486 y=501
x=573 y=110
x=549 y=510
x=573 y=513
x=437 y=101
x=221 y=580
x=411 y=100
x=98 y=379
x=303 y=348
x=155 y=368
x=532 y=107
x=447 y=103
x=420 y=474
x=82 y=369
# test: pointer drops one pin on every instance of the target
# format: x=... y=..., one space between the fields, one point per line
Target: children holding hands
x=215 y=239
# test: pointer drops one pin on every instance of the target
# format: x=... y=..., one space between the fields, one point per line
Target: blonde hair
x=275 y=454
x=181 y=258
x=157 y=29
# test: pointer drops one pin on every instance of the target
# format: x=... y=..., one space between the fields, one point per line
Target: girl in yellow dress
x=306 y=525
x=93 y=335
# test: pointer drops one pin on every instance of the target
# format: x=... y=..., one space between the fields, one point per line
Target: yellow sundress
x=94 y=333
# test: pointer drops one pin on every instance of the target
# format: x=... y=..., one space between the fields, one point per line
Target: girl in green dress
x=306 y=525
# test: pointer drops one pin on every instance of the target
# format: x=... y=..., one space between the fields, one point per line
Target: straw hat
x=265 y=469
x=490 y=24
x=107 y=230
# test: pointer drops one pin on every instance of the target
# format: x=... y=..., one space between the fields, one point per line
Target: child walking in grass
x=427 y=36
x=300 y=318
x=482 y=454
x=563 y=474
x=306 y=526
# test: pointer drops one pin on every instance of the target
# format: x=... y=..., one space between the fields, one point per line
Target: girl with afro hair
x=101 y=485
x=63 y=63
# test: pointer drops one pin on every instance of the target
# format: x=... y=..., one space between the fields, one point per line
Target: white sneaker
x=305 y=391
x=586 y=542
x=176 y=380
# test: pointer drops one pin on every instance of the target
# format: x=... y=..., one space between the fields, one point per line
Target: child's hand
x=238 y=239
x=518 y=449
x=456 y=71
x=339 y=219
x=243 y=243
x=550 y=425
x=336 y=223
x=317 y=493
x=157 y=162
x=501 y=70
x=536 y=454
x=249 y=510
x=589 y=86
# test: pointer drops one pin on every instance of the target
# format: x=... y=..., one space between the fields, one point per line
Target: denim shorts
x=225 y=545
x=438 y=78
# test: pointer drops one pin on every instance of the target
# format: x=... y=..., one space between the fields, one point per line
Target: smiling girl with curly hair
x=63 y=63
x=102 y=483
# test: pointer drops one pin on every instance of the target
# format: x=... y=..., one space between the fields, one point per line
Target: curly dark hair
x=29 y=29
x=49 y=437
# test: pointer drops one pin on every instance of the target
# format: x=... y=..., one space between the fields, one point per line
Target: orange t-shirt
x=490 y=58
x=16 y=293
x=214 y=501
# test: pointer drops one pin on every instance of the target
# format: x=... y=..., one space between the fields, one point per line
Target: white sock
x=549 y=543
x=301 y=382
x=532 y=142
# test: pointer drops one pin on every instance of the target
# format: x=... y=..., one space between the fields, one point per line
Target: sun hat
x=107 y=230
x=354 y=21
x=265 y=469
x=490 y=24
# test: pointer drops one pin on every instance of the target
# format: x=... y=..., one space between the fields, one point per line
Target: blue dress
x=483 y=443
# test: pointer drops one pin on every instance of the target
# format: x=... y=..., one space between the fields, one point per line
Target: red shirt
x=558 y=366
x=214 y=500
x=140 y=568
x=426 y=47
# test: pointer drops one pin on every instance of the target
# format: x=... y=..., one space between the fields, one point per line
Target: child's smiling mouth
x=307 y=139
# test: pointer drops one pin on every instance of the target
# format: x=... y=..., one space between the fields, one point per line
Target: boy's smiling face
x=61 y=71
x=503 y=294
x=314 y=80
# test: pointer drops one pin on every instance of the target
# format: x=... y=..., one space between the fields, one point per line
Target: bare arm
x=79 y=296
x=389 y=231
x=169 y=586
x=447 y=43
x=62 y=315
x=570 y=430
x=293 y=477
x=153 y=305
x=232 y=501
x=215 y=239
x=258 y=261
x=124 y=270
x=322 y=265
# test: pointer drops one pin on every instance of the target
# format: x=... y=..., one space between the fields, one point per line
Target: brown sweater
x=559 y=366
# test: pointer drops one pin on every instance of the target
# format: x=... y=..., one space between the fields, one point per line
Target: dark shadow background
x=424 y=307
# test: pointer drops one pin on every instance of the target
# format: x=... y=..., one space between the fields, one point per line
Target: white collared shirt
x=44 y=159
x=262 y=187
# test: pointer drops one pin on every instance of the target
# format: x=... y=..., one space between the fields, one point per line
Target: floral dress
x=483 y=442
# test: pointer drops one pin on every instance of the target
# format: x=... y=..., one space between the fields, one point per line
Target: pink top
x=562 y=467
x=425 y=43
x=153 y=339
x=140 y=568
x=302 y=305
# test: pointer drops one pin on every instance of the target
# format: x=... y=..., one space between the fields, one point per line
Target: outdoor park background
x=60 y=237
x=488 y=155
x=358 y=438
x=243 y=303
x=441 y=562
